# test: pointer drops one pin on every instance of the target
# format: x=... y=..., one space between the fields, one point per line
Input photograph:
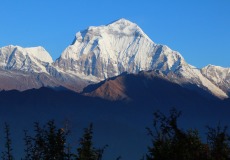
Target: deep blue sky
x=198 y=29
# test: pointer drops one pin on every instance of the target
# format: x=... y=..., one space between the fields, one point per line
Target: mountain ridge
x=98 y=53
x=143 y=86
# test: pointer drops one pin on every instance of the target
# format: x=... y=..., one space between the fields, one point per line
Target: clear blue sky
x=198 y=29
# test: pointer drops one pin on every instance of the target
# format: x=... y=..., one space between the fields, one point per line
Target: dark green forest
x=168 y=142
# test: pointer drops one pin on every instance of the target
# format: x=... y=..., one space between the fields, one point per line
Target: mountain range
x=114 y=76
x=99 y=53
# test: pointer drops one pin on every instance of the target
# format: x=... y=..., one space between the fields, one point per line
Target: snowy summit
x=107 y=51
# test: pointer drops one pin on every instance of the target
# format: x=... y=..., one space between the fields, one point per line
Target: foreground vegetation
x=50 y=143
x=169 y=142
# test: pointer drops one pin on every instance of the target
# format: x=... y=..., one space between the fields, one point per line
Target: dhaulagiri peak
x=120 y=27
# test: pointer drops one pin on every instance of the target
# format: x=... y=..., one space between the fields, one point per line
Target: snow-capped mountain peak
x=32 y=59
x=39 y=53
x=123 y=26
x=220 y=76
x=36 y=52
x=122 y=21
x=121 y=46
x=216 y=73
x=107 y=51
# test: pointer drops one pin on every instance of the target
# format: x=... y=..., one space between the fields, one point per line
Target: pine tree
x=86 y=151
x=49 y=143
x=28 y=146
x=55 y=141
x=7 y=155
x=38 y=143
